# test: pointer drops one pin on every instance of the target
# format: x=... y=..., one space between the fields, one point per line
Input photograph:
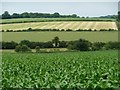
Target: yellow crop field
x=74 y=25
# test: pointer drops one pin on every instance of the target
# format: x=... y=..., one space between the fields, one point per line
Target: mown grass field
x=74 y=25
x=61 y=70
x=24 y=20
x=104 y=36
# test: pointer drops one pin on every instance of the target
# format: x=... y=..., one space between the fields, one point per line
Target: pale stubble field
x=74 y=25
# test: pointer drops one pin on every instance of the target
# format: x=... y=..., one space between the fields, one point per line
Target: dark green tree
x=25 y=42
x=56 y=41
x=112 y=45
x=37 y=48
x=9 y=45
x=25 y=15
x=74 y=15
x=22 y=48
x=63 y=44
x=71 y=45
x=98 y=45
x=6 y=15
x=82 y=45
x=48 y=44
x=56 y=15
x=15 y=15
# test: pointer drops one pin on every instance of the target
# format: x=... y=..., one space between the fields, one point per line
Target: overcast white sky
x=60 y=0
x=91 y=8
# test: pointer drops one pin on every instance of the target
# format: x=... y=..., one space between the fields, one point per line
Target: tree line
x=34 y=30
x=79 y=45
x=32 y=45
x=6 y=15
x=109 y=16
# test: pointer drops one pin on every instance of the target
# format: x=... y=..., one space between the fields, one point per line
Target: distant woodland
x=6 y=15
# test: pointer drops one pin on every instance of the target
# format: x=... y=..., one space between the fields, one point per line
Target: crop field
x=61 y=70
x=74 y=25
x=66 y=36
x=25 y=20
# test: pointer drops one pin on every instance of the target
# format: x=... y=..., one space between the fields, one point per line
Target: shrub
x=47 y=45
x=71 y=46
x=111 y=30
x=112 y=45
x=37 y=48
x=29 y=29
x=54 y=30
x=63 y=44
x=98 y=45
x=69 y=30
x=89 y=30
x=25 y=42
x=106 y=30
x=62 y=30
x=3 y=30
x=81 y=30
x=7 y=30
x=18 y=48
x=22 y=48
x=9 y=45
x=82 y=45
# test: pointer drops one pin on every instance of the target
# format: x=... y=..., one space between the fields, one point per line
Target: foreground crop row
x=65 y=70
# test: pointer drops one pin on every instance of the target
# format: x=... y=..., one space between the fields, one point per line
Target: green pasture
x=96 y=36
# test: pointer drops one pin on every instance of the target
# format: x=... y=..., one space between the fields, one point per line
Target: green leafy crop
x=61 y=70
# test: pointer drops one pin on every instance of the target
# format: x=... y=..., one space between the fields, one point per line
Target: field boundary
x=27 y=20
